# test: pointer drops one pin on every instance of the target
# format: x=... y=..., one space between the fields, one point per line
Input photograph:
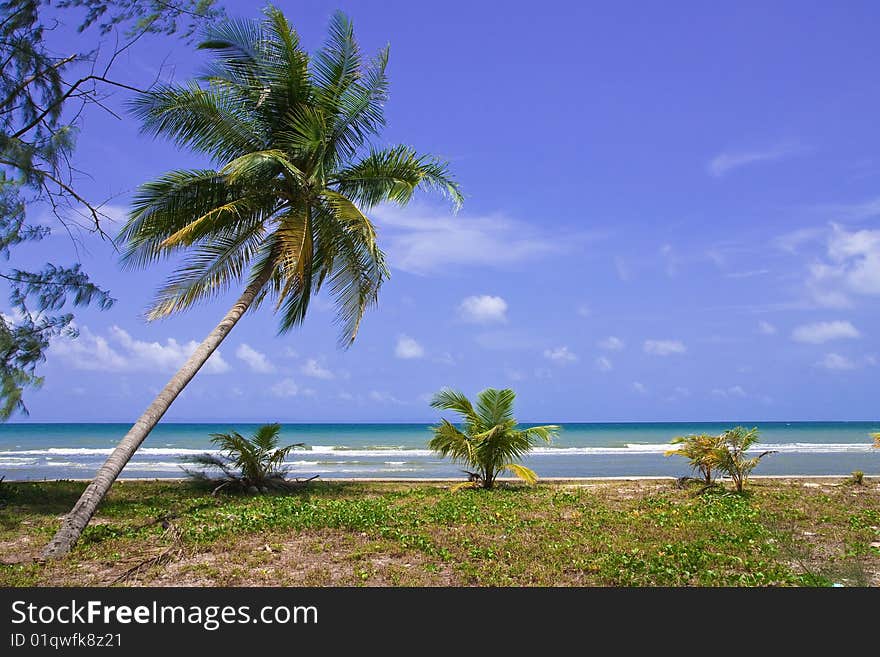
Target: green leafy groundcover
x=621 y=533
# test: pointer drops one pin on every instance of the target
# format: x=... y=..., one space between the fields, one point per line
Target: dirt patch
x=22 y=549
x=315 y=558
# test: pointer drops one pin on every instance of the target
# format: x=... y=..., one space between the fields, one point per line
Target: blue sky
x=672 y=214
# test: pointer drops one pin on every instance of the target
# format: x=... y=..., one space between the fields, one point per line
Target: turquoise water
x=53 y=451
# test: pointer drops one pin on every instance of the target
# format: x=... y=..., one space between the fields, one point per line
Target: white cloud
x=853 y=267
x=89 y=352
x=820 y=332
x=834 y=361
x=766 y=328
x=584 y=310
x=408 y=348
x=851 y=211
x=670 y=260
x=736 y=391
x=639 y=387
x=604 y=364
x=383 y=397
x=290 y=352
x=681 y=391
x=255 y=360
x=285 y=388
x=732 y=391
x=445 y=358
x=612 y=343
x=483 y=309
x=664 y=347
x=167 y=357
x=560 y=355
x=792 y=241
x=747 y=274
x=725 y=162
x=423 y=240
x=122 y=353
x=315 y=370
x=623 y=270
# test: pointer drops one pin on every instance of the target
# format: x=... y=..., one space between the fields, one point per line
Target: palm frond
x=394 y=174
x=166 y=205
x=337 y=65
x=206 y=273
x=453 y=400
x=209 y=223
x=263 y=166
x=546 y=432
x=266 y=436
x=349 y=256
x=295 y=247
x=449 y=441
x=361 y=109
x=495 y=406
x=303 y=133
x=526 y=474
x=285 y=66
x=204 y=120
x=234 y=40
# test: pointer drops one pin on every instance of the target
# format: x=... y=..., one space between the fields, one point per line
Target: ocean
x=75 y=451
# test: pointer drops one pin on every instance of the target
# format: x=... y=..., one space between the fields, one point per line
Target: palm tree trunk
x=75 y=521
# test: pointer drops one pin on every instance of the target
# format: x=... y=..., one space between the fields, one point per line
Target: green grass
x=637 y=533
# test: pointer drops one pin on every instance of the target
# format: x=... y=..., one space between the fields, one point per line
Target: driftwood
x=475 y=477
x=163 y=557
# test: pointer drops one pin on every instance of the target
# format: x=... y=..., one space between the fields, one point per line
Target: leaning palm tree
x=489 y=439
x=282 y=211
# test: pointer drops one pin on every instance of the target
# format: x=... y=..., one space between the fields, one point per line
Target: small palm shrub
x=489 y=441
x=876 y=437
x=699 y=450
x=730 y=456
x=857 y=478
x=253 y=464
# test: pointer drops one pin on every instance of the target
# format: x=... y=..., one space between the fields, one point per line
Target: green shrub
x=730 y=456
x=490 y=440
x=699 y=449
x=251 y=464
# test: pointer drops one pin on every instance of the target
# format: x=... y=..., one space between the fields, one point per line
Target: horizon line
x=359 y=422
